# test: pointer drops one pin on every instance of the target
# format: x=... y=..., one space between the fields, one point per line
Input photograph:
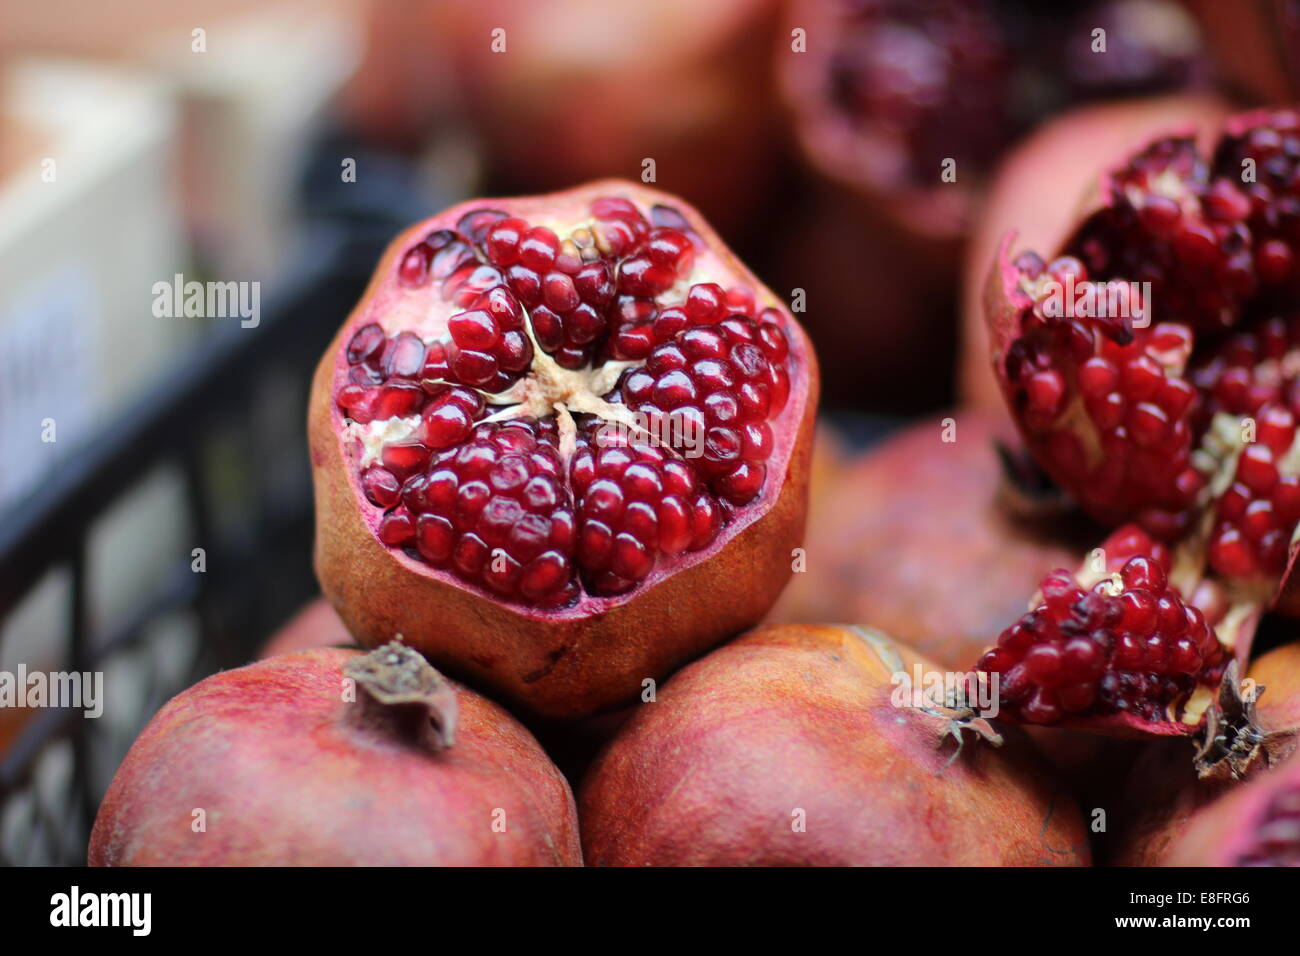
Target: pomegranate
x=1190 y=412
x=920 y=536
x=1251 y=733
x=334 y=757
x=561 y=445
x=1135 y=643
x=891 y=90
x=1254 y=44
x=315 y=625
x=1036 y=191
x=603 y=87
x=1256 y=825
x=783 y=748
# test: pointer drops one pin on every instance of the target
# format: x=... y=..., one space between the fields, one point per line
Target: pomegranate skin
x=1255 y=825
x=798 y=718
x=1162 y=794
x=593 y=656
x=912 y=536
x=315 y=625
x=1039 y=193
x=286 y=778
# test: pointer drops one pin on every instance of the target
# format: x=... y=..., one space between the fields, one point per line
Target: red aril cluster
x=1167 y=222
x=1255 y=516
x=1104 y=405
x=1267 y=145
x=1126 y=651
x=584 y=410
x=1136 y=423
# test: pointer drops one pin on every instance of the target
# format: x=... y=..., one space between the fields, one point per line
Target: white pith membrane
x=547 y=390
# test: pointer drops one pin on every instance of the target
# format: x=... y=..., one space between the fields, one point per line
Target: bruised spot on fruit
x=552 y=657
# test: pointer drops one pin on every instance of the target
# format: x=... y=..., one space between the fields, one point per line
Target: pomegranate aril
x=397 y=529
x=365 y=344
x=381 y=487
x=434 y=538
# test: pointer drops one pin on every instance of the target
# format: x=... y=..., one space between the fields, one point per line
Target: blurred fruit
x=571 y=90
x=916 y=536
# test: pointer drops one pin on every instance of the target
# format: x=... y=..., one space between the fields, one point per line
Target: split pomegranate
x=1253 y=729
x=919 y=536
x=1159 y=411
x=891 y=90
x=1130 y=645
x=332 y=757
x=561 y=445
x=1035 y=194
x=784 y=748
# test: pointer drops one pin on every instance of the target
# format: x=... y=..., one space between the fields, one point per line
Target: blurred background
x=145 y=138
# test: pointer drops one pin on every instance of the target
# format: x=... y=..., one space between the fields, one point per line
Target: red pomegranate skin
x=269 y=752
x=589 y=657
x=1162 y=794
x=798 y=718
x=1041 y=189
x=315 y=625
x=1256 y=825
x=912 y=536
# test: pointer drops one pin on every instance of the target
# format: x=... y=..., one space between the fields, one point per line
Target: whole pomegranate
x=919 y=535
x=333 y=757
x=1255 y=825
x=1165 y=789
x=315 y=625
x=561 y=445
x=784 y=748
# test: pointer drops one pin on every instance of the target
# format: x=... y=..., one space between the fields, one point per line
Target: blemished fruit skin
x=782 y=748
x=912 y=535
x=589 y=657
x=284 y=776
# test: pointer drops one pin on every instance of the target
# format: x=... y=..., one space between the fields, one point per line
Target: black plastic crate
x=227 y=426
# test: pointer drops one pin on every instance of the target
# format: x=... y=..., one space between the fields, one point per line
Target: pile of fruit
x=562 y=453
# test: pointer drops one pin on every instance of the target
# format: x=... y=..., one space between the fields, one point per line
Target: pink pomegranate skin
x=1255 y=825
x=795 y=722
x=593 y=655
x=315 y=625
x=285 y=776
x=1162 y=794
